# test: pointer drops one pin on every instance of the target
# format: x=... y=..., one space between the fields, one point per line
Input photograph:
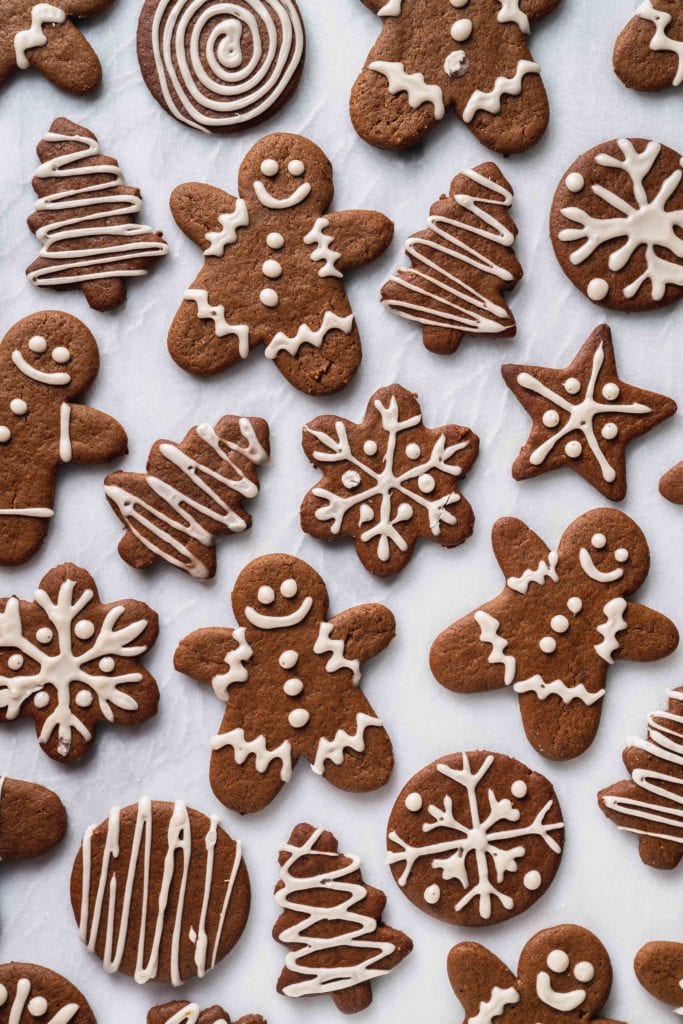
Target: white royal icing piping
x=305 y=335
x=272 y=203
x=391 y=9
x=413 y=85
x=565 y=1002
x=263 y=757
x=205 y=311
x=591 y=570
x=334 y=750
x=65 y=450
x=492 y=101
x=324 y=644
x=614 y=623
x=510 y=12
x=58 y=379
x=262 y=621
x=546 y=570
x=34 y=37
x=660 y=41
x=190 y=1015
x=323 y=251
x=229 y=223
x=22 y=1003
x=236 y=660
x=496 y=1006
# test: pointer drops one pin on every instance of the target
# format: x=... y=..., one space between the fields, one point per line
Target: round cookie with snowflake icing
x=475 y=838
x=30 y=993
x=616 y=224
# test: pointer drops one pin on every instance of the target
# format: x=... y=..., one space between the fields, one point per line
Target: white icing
x=584 y=972
x=262 y=621
x=391 y=9
x=271 y=269
x=34 y=37
x=492 y=101
x=565 y=1002
x=270 y=168
x=548 y=644
x=575 y=182
x=456 y=63
x=432 y=894
x=413 y=85
x=263 y=757
x=461 y=30
x=660 y=41
x=519 y=789
x=236 y=659
x=592 y=571
x=37 y=1006
x=510 y=12
x=323 y=252
x=272 y=203
x=229 y=224
x=205 y=311
x=558 y=961
x=270 y=298
x=546 y=570
x=281 y=342
x=334 y=750
x=597 y=289
x=275 y=240
x=296 y=168
x=495 y=1006
x=324 y=644
x=614 y=623
x=413 y=802
x=65 y=450
x=299 y=718
x=58 y=379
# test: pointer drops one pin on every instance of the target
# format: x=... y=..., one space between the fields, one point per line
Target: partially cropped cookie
x=44 y=36
x=30 y=993
x=86 y=220
x=190 y=1013
x=583 y=416
x=290 y=677
x=648 y=53
x=332 y=922
x=220 y=67
x=659 y=969
x=32 y=819
x=564 y=974
x=461 y=264
x=616 y=222
x=558 y=625
x=671 y=484
x=435 y=57
x=160 y=892
x=274 y=263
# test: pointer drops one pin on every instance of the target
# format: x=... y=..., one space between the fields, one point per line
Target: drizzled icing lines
x=36 y=1006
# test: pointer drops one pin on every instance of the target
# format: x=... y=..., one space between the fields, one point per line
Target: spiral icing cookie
x=616 y=224
x=219 y=67
x=30 y=993
x=648 y=53
x=475 y=838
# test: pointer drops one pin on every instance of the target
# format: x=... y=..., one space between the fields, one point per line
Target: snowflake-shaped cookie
x=388 y=480
x=475 y=838
x=69 y=662
x=584 y=416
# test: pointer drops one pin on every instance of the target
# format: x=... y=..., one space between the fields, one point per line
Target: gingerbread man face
x=616 y=557
x=295 y=177
x=295 y=597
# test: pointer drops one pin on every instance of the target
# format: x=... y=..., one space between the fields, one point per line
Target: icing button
x=298 y=718
x=5 y=435
x=272 y=269
x=293 y=687
x=18 y=406
x=269 y=297
x=275 y=240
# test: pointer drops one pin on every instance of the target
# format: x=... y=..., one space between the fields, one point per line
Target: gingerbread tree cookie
x=557 y=626
x=68 y=661
x=290 y=677
x=649 y=805
x=648 y=53
x=44 y=36
x=435 y=54
x=190 y=1013
x=671 y=484
x=564 y=974
x=30 y=993
x=461 y=264
x=274 y=261
x=332 y=922
x=659 y=969
x=85 y=219
x=583 y=416
x=191 y=493
x=47 y=361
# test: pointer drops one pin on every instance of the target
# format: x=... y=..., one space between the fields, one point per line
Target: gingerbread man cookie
x=564 y=975
x=583 y=416
x=179 y=1012
x=659 y=969
x=290 y=678
x=274 y=261
x=30 y=993
x=466 y=54
x=68 y=661
x=47 y=361
x=671 y=484
x=44 y=36
x=648 y=53
x=388 y=480
x=557 y=626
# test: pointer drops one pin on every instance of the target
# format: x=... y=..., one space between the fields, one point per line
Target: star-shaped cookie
x=583 y=416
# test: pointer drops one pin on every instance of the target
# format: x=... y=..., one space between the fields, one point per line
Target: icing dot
x=288 y=659
x=18 y=406
x=405 y=511
x=598 y=540
x=296 y=168
x=609 y=431
x=547 y=644
x=351 y=479
x=293 y=687
x=44 y=635
x=413 y=451
x=266 y=595
x=532 y=880
x=37 y=1006
x=5 y=434
x=275 y=240
x=573 y=449
x=519 y=789
x=572 y=386
x=413 y=802
x=84 y=629
x=558 y=961
x=269 y=297
x=15 y=662
x=41 y=699
x=272 y=269
x=551 y=418
x=584 y=972
x=61 y=354
x=106 y=664
x=559 y=623
x=298 y=718
x=575 y=181
x=432 y=894
x=461 y=30
x=370 y=447
x=621 y=554
x=426 y=483
x=597 y=289
x=270 y=168
x=38 y=344
x=84 y=698
x=610 y=391
x=575 y=604
x=289 y=588
x=456 y=63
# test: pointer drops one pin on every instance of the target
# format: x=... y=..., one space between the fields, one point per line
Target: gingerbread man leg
x=360 y=757
x=200 y=339
x=327 y=369
x=557 y=730
x=395 y=123
x=248 y=769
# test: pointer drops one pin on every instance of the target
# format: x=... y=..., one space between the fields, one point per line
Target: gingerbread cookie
x=274 y=262
x=190 y=1013
x=32 y=819
x=388 y=480
x=557 y=626
x=85 y=219
x=564 y=974
x=160 y=892
x=220 y=68
x=191 y=493
x=461 y=264
x=69 y=662
x=475 y=59
x=29 y=993
x=616 y=224
x=47 y=361
x=671 y=484
x=649 y=805
x=659 y=969
x=475 y=838
x=583 y=416
x=648 y=53
x=291 y=680
x=332 y=922
x=44 y=36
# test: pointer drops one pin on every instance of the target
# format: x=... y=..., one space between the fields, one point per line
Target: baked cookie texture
x=659 y=969
x=29 y=992
x=671 y=484
x=32 y=819
x=648 y=53
x=180 y=1012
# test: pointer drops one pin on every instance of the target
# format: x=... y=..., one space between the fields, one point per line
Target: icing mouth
x=272 y=203
x=563 y=1001
x=591 y=569
x=60 y=378
x=279 y=621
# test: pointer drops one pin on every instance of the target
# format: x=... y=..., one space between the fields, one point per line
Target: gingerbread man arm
x=650 y=635
x=202 y=654
x=364 y=630
x=535 y=9
x=95 y=436
x=360 y=236
x=475 y=975
x=516 y=547
x=375 y=5
x=197 y=208
x=67 y=60
x=659 y=969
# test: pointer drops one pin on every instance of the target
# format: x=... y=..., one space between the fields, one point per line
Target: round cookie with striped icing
x=31 y=993
x=648 y=53
x=160 y=892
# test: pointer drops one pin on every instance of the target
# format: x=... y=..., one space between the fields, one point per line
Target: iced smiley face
x=294 y=174
x=267 y=597
x=616 y=555
x=566 y=970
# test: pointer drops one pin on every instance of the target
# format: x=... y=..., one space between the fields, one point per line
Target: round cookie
x=616 y=223
x=648 y=53
x=160 y=892
x=30 y=993
x=220 y=67
x=475 y=838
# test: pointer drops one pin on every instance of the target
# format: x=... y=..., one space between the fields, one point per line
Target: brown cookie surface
x=558 y=625
x=564 y=975
x=32 y=819
x=179 y=1012
x=221 y=68
x=583 y=416
x=191 y=494
x=461 y=264
x=388 y=480
x=44 y=36
x=475 y=838
x=616 y=221
x=168 y=884
x=659 y=969
x=86 y=220
x=671 y=484
x=648 y=53
x=29 y=992
x=290 y=678
x=430 y=57
x=332 y=922
x=69 y=662
x=274 y=262
x=47 y=361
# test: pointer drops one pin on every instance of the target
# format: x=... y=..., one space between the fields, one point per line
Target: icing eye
x=351 y=479
x=44 y=635
x=84 y=629
x=289 y=588
x=61 y=354
x=266 y=595
x=106 y=664
x=270 y=168
x=622 y=554
x=370 y=447
x=275 y=240
x=558 y=961
x=18 y=406
x=572 y=386
x=296 y=168
x=598 y=540
x=413 y=451
x=15 y=662
x=584 y=972
x=5 y=435
x=38 y=345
